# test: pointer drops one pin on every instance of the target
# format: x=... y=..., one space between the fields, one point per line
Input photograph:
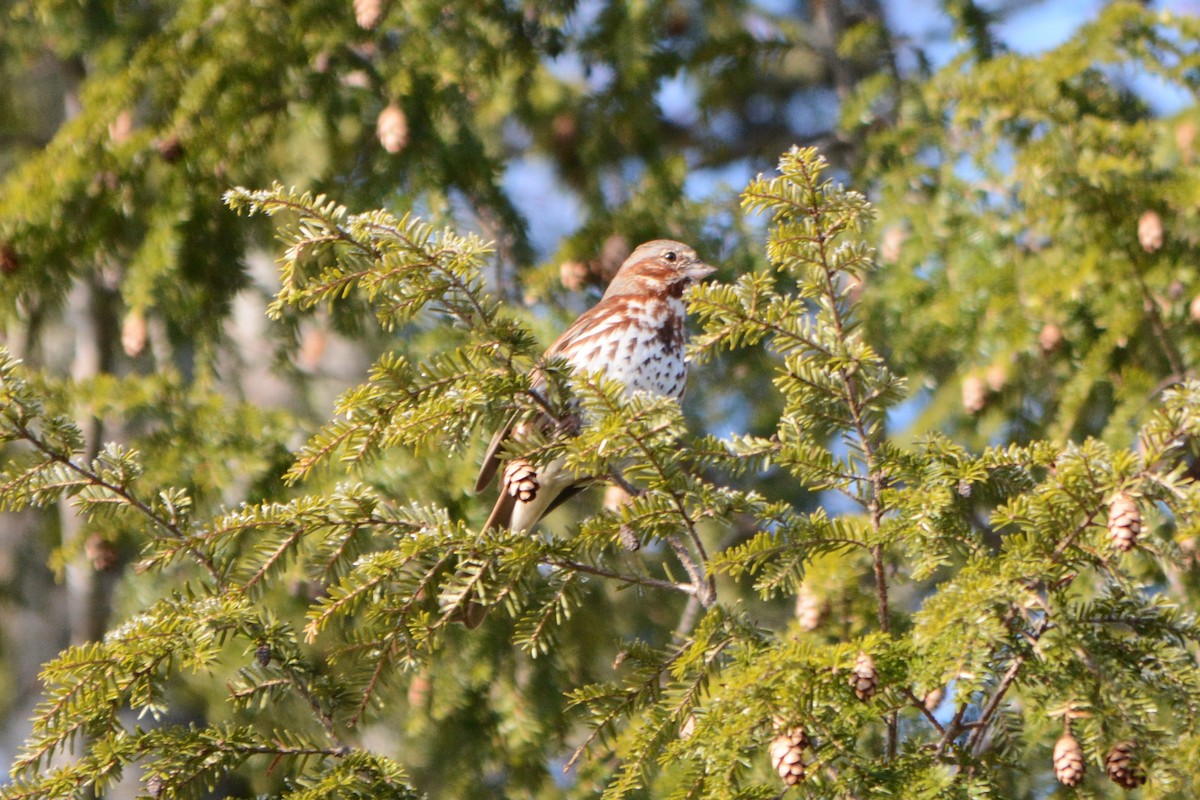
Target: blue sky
x=916 y=25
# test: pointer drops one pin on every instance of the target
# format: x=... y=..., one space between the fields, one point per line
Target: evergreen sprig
x=988 y=576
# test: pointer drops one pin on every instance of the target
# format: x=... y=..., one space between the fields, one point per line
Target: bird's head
x=659 y=267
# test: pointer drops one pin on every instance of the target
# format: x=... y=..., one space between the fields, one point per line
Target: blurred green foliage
x=886 y=515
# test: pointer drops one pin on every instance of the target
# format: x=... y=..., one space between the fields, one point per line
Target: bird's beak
x=699 y=271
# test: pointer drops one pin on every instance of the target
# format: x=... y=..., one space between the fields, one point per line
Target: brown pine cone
x=392 y=129
x=134 y=332
x=891 y=245
x=1185 y=135
x=974 y=394
x=520 y=478
x=418 y=690
x=787 y=755
x=628 y=538
x=262 y=654
x=102 y=553
x=688 y=727
x=613 y=253
x=1124 y=522
x=1150 y=231
x=1122 y=768
x=367 y=13
x=810 y=609
x=169 y=149
x=1050 y=337
x=573 y=275
x=1068 y=760
x=863 y=677
x=8 y=259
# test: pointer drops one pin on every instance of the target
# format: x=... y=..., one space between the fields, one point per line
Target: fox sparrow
x=635 y=335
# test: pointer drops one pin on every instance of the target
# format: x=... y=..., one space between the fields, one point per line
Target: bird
x=634 y=334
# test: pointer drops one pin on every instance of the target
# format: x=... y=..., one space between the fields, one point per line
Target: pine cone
x=573 y=274
x=133 y=333
x=101 y=552
x=1124 y=522
x=787 y=755
x=1068 y=761
x=8 y=259
x=521 y=479
x=810 y=609
x=1121 y=766
x=628 y=538
x=121 y=128
x=892 y=243
x=367 y=13
x=1185 y=135
x=169 y=149
x=996 y=376
x=418 y=690
x=613 y=253
x=1050 y=337
x=313 y=341
x=863 y=678
x=392 y=129
x=262 y=654
x=1150 y=231
x=688 y=727
x=974 y=394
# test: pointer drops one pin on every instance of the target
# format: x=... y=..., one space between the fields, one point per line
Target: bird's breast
x=642 y=347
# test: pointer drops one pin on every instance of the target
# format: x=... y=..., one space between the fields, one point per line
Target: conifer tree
x=807 y=595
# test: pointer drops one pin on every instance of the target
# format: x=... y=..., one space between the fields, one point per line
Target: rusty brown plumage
x=635 y=334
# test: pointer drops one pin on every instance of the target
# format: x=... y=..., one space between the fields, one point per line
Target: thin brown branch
x=634 y=580
x=324 y=716
x=381 y=663
x=1157 y=326
x=867 y=437
x=953 y=729
x=129 y=499
x=1010 y=676
x=698 y=571
x=919 y=704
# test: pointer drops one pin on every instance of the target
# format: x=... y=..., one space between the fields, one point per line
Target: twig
x=706 y=588
x=1010 y=676
x=953 y=729
x=687 y=620
x=919 y=704
x=130 y=498
x=867 y=442
x=636 y=580
x=323 y=716
x=1154 y=317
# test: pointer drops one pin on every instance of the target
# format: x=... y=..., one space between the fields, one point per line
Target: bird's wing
x=491 y=458
x=589 y=322
x=596 y=321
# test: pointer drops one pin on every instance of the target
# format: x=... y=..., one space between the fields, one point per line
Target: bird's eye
x=671 y=255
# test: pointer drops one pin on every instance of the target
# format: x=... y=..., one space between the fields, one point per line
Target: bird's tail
x=502 y=512
x=519 y=507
